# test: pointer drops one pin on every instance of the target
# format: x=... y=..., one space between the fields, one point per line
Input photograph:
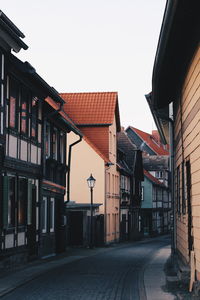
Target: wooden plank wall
x=187 y=139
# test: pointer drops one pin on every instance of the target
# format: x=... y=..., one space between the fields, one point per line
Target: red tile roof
x=152 y=178
x=92 y=108
x=151 y=141
x=88 y=141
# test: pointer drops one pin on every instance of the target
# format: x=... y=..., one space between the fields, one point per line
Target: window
x=51 y=214
x=24 y=112
x=142 y=193
x=2 y=93
x=114 y=144
x=178 y=198
x=47 y=140
x=62 y=147
x=55 y=143
x=34 y=117
x=110 y=142
x=11 y=201
x=44 y=215
x=13 y=120
x=183 y=189
x=23 y=193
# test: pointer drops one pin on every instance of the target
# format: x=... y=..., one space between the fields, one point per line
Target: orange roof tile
x=151 y=141
x=88 y=141
x=92 y=108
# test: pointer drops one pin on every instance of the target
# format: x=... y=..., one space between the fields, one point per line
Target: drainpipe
x=69 y=167
x=108 y=165
x=171 y=137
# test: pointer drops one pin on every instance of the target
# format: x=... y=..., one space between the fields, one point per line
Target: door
x=75 y=228
x=47 y=244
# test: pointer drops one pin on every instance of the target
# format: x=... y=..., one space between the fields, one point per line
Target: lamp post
x=91 y=183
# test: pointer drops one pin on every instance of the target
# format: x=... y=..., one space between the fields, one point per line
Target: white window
x=2 y=67
x=44 y=215
x=51 y=214
x=142 y=193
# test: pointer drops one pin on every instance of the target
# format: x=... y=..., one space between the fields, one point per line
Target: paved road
x=116 y=274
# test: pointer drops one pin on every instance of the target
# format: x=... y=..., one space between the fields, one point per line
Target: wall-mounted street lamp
x=91 y=183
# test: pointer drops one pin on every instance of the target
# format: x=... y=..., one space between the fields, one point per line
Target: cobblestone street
x=116 y=273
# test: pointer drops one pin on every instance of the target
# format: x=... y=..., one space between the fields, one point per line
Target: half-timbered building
x=33 y=131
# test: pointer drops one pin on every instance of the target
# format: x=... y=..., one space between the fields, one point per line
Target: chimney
x=156 y=135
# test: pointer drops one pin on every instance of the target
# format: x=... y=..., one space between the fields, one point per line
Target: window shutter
x=29 y=205
x=5 y=200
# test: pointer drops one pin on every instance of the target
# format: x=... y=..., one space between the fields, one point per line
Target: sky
x=93 y=46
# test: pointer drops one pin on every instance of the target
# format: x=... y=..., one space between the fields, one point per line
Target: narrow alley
x=123 y=271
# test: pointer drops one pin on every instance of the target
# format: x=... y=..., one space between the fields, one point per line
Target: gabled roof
x=68 y=121
x=10 y=35
x=152 y=178
x=92 y=108
x=150 y=141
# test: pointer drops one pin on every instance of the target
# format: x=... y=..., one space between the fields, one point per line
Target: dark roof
x=133 y=156
x=10 y=34
x=126 y=145
x=29 y=72
x=179 y=38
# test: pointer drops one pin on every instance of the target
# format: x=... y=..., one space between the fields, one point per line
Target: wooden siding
x=187 y=140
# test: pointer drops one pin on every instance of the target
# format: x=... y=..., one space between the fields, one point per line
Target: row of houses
x=50 y=143
x=174 y=103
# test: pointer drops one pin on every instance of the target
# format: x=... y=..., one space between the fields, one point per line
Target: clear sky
x=93 y=46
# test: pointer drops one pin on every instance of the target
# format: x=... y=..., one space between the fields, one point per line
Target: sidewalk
x=154 y=276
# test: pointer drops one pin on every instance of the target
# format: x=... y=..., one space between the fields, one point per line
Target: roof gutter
x=69 y=167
